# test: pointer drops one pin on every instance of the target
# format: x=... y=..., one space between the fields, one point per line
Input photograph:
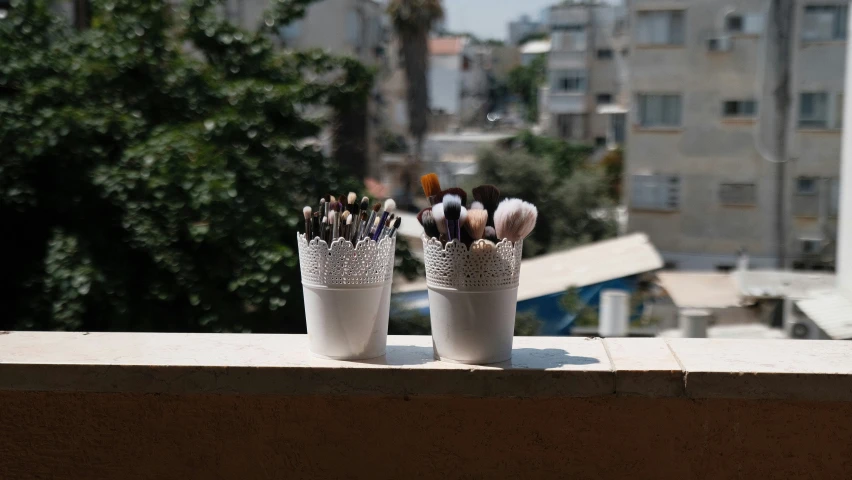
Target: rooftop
x=831 y=311
x=446 y=45
x=700 y=289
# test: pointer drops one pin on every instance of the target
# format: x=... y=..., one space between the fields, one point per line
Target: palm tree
x=412 y=21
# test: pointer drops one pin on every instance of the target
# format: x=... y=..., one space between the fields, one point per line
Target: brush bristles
x=490 y=233
x=475 y=224
x=344 y=215
x=397 y=223
x=365 y=203
x=350 y=199
x=377 y=206
x=390 y=205
x=440 y=219
x=463 y=216
x=348 y=219
x=429 y=225
x=514 y=219
x=307 y=212
x=431 y=184
x=489 y=196
x=331 y=216
x=477 y=206
x=452 y=206
x=456 y=191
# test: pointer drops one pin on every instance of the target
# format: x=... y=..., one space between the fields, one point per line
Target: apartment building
x=585 y=73
x=458 y=82
x=702 y=177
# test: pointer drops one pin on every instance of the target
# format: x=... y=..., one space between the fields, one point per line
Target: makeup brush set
x=484 y=222
x=346 y=217
x=346 y=256
x=472 y=254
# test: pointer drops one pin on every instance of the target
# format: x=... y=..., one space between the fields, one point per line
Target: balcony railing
x=155 y=405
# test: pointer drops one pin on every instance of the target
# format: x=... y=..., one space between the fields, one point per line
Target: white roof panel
x=831 y=311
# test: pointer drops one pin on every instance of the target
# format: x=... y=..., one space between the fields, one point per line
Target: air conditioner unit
x=719 y=44
x=809 y=246
x=797 y=325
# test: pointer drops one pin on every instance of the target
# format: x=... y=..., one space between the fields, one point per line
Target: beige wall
x=708 y=150
x=137 y=436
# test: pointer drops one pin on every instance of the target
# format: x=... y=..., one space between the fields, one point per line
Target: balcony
x=156 y=405
x=566 y=102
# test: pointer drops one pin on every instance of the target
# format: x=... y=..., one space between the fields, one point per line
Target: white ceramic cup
x=347 y=323
x=474 y=327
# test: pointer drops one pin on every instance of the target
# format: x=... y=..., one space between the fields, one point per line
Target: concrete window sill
x=541 y=367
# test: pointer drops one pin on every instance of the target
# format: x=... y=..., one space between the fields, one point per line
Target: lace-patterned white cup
x=473 y=294
x=347 y=296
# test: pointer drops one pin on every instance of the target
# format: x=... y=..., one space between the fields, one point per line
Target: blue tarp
x=547 y=308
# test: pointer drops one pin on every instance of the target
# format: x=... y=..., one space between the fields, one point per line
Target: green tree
x=571 y=197
x=524 y=81
x=153 y=167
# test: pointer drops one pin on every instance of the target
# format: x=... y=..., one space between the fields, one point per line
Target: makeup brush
x=350 y=202
x=348 y=226
x=345 y=219
x=452 y=212
x=394 y=228
x=335 y=225
x=429 y=227
x=489 y=196
x=440 y=218
x=474 y=205
x=475 y=224
x=368 y=225
x=514 y=219
x=324 y=230
x=361 y=220
x=431 y=186
x=456 y=191
x=307 y=213
x=390 y=206
x=315 y=226
x=490 y=234
x=321 y=209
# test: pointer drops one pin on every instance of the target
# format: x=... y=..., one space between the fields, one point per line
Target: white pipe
x=844 y=216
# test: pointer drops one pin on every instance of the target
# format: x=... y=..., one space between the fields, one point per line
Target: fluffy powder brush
x=514 y=219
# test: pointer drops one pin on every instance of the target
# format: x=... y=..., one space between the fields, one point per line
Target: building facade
x=584 y=73
x=458 y=82
x=523 y=28
x=702 y=158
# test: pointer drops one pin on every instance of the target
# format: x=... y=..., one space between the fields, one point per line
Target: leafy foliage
x=153 y=168
x=524 y=81
x=571 y=197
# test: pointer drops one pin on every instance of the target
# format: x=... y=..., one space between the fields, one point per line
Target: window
x=838 y=112
x=569 y=81
x=813 y=110
x=806 y=186
x=600 y=141
x=739 y=108
x=604 y=53
x=659 y=110
x=824 y=22
x=663 y=27
x=655 y=192
x=353 y=27
x=570 y=126
x=738 y=194
x=746 y=23
x=569 y=39
x=603 y=98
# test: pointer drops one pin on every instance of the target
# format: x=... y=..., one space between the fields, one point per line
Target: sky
x=489 y=18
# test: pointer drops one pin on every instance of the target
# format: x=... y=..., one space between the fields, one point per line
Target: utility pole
x=779 y=32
